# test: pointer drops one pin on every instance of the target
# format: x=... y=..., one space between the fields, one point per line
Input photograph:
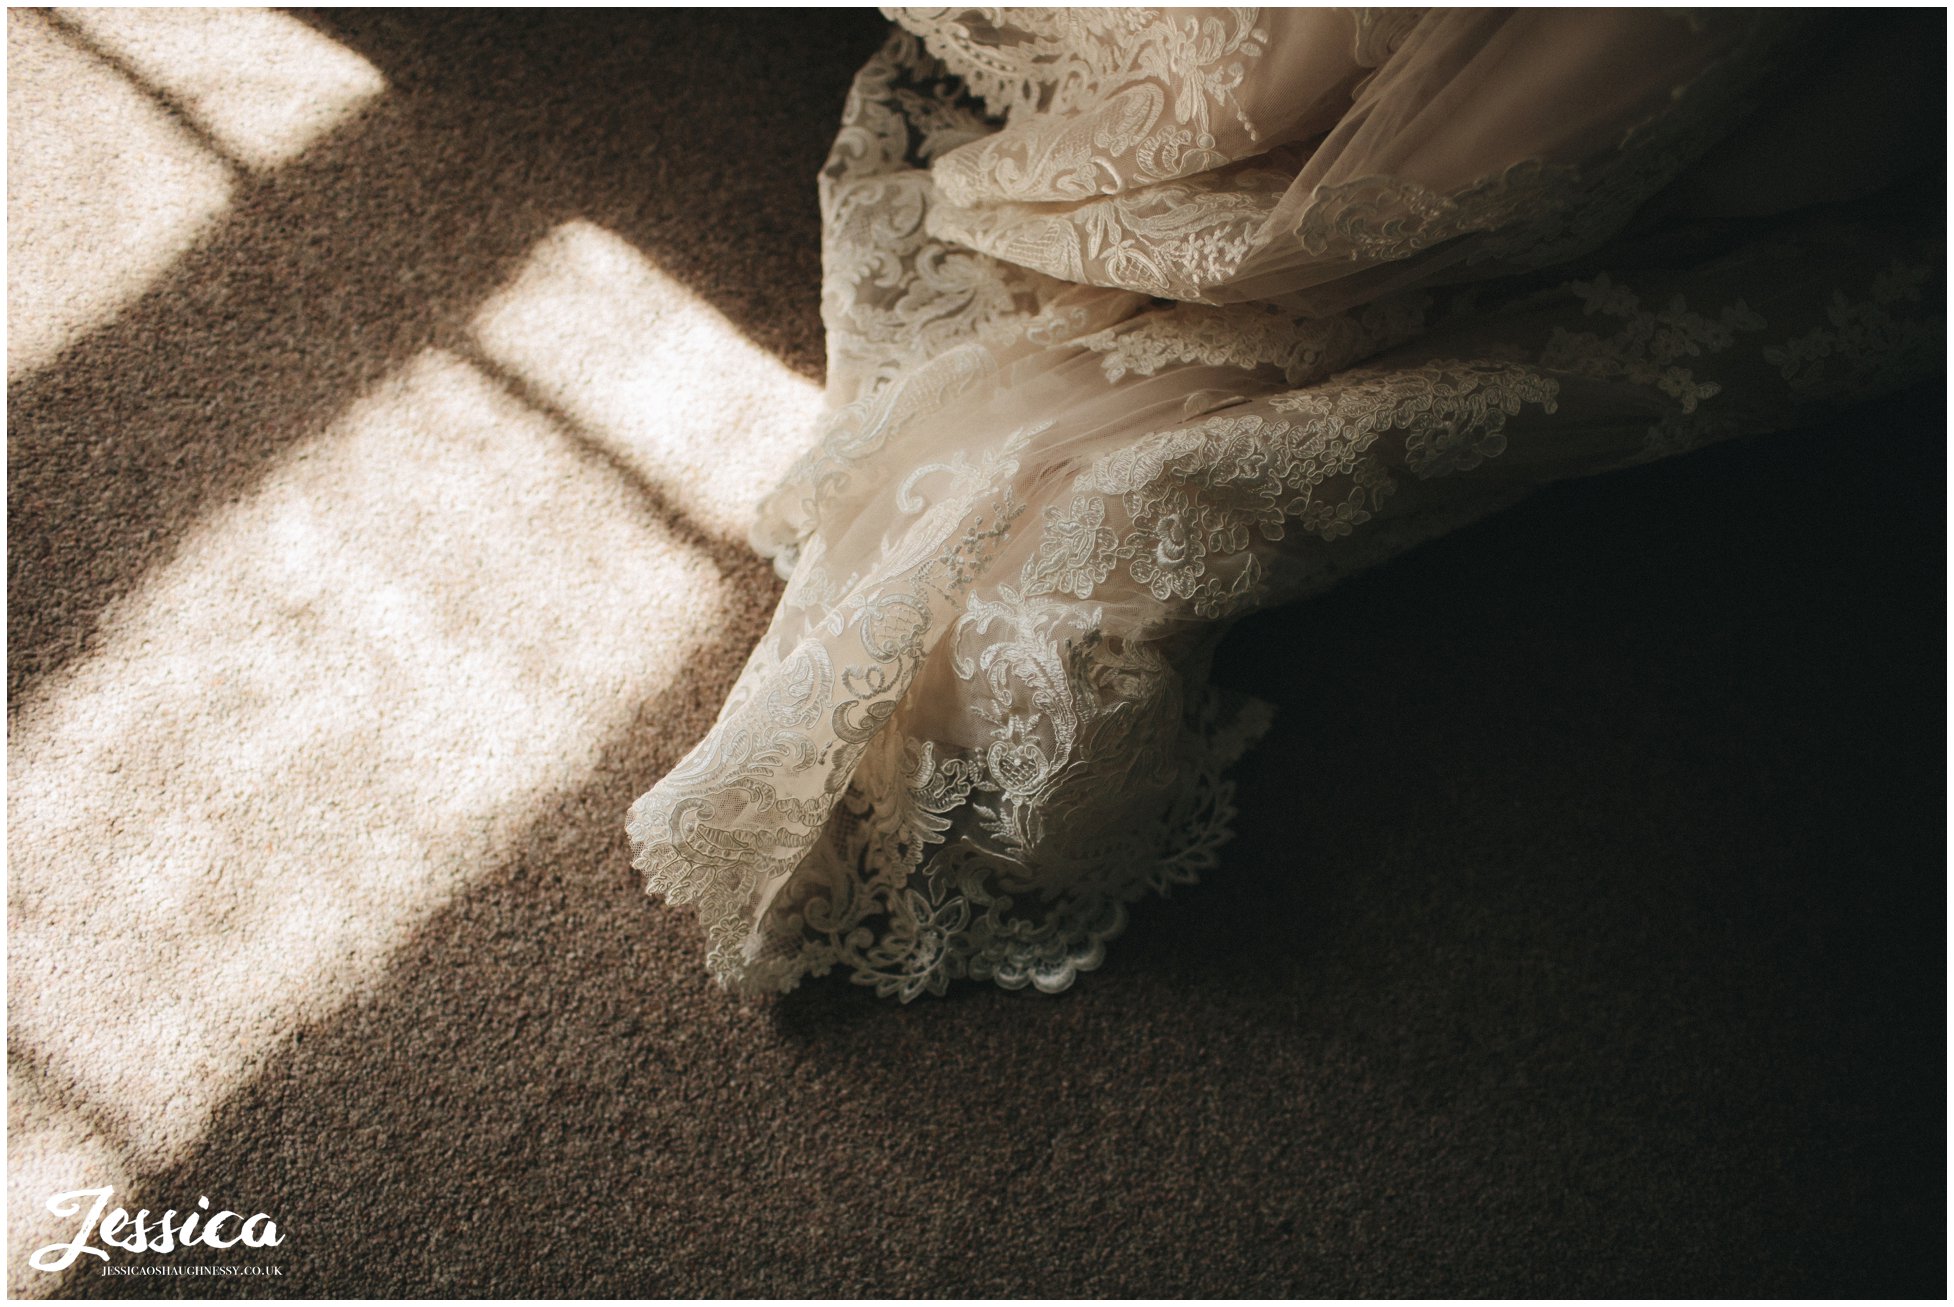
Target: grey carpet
x=1583 y=935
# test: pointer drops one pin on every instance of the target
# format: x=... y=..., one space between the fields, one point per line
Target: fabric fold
x=1116 y=371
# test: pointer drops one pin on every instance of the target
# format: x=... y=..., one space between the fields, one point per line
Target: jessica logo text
x=143 y=1233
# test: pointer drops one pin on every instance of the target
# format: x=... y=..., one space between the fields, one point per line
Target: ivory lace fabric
x=1140 y=320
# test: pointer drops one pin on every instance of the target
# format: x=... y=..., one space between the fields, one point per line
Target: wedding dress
x=1139 y=320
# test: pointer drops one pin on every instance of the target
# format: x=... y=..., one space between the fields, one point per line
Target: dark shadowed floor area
x=1584 y=932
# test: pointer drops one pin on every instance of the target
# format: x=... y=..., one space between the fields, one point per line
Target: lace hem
x=929 y=937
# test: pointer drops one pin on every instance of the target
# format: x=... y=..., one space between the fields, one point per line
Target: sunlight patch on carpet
x=661 y=379
x=350 y=693
x=105 y=192
x=262 y=84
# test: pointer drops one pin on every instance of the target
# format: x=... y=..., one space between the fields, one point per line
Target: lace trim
x=1194 y=222
x=918 y=889
x=1865 y=348
x=1172 y=239
x=1647 y=350
x=891 y=294
x=905 y=312
x=1060 y=62
x=1251 y=336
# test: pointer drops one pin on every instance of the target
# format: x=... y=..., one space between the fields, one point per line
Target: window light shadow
x=668 y=386
x=675 y=129
x=346 y=696
x=386 y=236
x=261 y=85
x=332 y=575
x=107 y=191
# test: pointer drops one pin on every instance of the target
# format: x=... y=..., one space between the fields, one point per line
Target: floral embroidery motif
x=1100 y=100
x=1865 y=347
x=1647 y=350
x=1077 y=551
x=1251 y=336
x=1172 y=239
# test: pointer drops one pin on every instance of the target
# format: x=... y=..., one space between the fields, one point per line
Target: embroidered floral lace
x=1142 y=319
